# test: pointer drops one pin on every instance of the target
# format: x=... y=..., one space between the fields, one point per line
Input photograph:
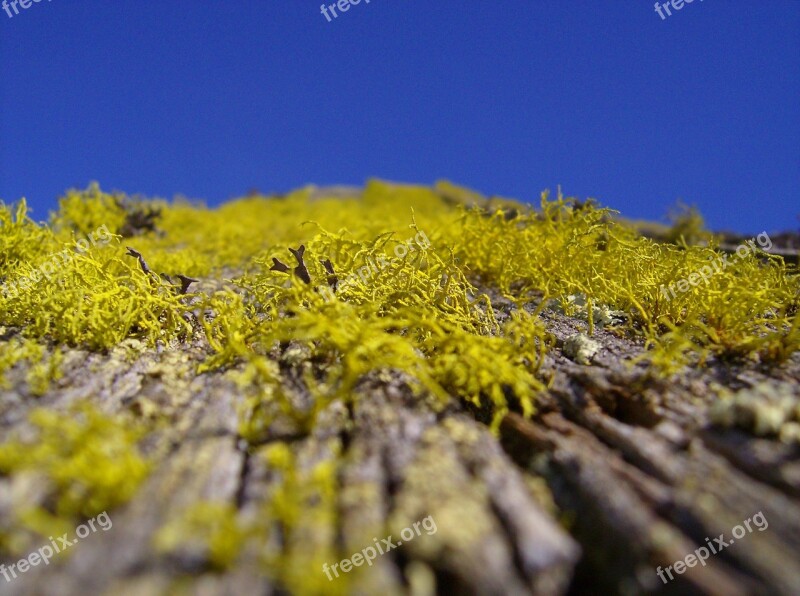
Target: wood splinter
x=333 y=280
x=301 y=270
x=142 y=263
x=184 y=280
x=278 y=266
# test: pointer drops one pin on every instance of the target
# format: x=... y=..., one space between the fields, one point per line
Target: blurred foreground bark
x=615 y=475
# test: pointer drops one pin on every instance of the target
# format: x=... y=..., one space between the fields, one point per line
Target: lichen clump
x=581 y=348
x=765 y=410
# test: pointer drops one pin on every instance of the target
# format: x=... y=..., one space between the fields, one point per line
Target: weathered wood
x=615 y=475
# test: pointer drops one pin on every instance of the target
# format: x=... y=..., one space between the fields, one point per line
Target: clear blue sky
x=211 y=99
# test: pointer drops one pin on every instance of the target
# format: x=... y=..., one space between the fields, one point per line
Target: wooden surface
x=615 y=475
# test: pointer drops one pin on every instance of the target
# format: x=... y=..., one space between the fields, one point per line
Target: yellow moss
x=300 y=508
x=88 y=462
x=400 y=299
x=43 y=364
x=21 y=239
x=416 y=270
x=82 y=212
x=688 y=226
x=212 y=526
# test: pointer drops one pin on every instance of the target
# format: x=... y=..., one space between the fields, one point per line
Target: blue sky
x=212 y=99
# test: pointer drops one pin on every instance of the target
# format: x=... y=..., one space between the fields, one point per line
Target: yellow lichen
x=86 y=463
x=439 y=289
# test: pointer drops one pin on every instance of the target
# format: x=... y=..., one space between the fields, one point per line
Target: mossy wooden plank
x=348 y=364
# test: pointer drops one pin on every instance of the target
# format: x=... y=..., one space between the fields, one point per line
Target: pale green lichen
x=598 y=316
x=581 y=348
x=766 y=410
